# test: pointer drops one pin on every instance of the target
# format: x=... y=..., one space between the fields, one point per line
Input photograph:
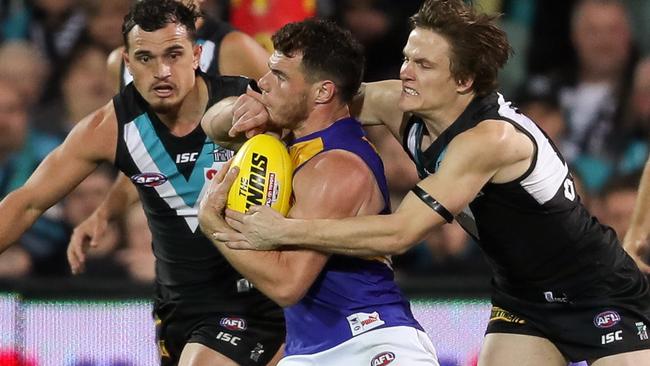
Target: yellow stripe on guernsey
x=303 y=151
x=300 y=153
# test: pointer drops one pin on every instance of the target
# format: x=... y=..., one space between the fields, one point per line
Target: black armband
x=431 y=202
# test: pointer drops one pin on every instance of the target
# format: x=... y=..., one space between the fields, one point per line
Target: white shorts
x=396 y=346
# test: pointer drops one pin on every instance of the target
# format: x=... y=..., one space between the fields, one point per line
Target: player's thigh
x=636 y=358
x=277 y=357
x=504 y=349
x=196 y=354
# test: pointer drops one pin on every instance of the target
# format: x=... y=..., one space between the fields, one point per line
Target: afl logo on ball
x=383 y=359
x=607 y=319
x=149 y=179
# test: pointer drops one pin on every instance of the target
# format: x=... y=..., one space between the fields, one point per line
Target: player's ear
x=325 y=91
x=196 y=51
x=464 y=86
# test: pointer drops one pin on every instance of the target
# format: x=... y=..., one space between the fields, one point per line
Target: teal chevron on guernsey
x=181 y=194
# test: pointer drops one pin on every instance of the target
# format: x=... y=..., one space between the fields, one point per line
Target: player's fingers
x=240 y=245
x=99 y=230
x=239 y=102
x=226 y=183
x=255 y=95
x=255 y=131
x=222 y=173
x=255 y=208
x=72 y=260
x=75 y=253
x=234 y=215
x=237 y=225
x=257 y=121
x=224 y=237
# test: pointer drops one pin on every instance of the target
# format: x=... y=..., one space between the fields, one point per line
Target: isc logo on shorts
x=611 y=337
x=607 y=319
x=383 y=359
x=228 y=338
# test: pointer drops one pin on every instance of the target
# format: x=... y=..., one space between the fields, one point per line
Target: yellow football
x=265 y=175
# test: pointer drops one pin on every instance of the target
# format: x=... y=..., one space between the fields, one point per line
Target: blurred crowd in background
x=581 y=70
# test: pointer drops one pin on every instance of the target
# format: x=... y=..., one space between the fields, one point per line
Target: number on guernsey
x=569 y=190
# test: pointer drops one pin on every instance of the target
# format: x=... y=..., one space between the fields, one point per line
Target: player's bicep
x=89 y=143
x=470 y=161
x=376 y=104
x=332 y=185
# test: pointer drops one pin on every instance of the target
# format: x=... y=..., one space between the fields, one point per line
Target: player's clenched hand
x=249 y=115
x=258 y=228
x=213 y=204
x=86 y=235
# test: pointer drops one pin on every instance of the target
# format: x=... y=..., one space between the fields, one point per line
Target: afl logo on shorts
x=149 y=179
x=233 y=323
x=607 y=319
x=383 y=359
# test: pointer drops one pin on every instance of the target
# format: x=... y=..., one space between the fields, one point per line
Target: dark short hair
x=478 y=47
x=151 y=15
x=328 y=52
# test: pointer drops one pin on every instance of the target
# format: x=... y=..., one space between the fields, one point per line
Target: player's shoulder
x=114 y=66
x=376 y=103
x=338 y=167
x=115 y=57
x=103 y=115
x=334 y=182
x=95 y=135
x=496 y=141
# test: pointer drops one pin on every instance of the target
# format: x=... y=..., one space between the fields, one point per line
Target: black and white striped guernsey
x=171 y=174
x=537 y=235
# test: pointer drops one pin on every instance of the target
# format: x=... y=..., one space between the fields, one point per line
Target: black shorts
x=250 y=339
x=582 y=329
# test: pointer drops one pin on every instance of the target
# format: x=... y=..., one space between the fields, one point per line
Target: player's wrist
x=291 y=232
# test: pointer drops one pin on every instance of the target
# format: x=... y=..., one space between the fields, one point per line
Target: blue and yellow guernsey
x=351 y=296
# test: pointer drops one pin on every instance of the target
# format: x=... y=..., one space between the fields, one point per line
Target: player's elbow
x=402 y=236
x=401 y=242
x=288 y=294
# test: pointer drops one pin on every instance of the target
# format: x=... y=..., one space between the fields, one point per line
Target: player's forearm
x=354 y=236
x=18 y=214
x=217 y=121
x=638 y=234
x=269 y=272
x=121 y=196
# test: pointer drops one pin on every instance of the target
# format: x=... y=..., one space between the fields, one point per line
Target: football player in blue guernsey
x=563 y=288
x=206 y=315
x=339 y=310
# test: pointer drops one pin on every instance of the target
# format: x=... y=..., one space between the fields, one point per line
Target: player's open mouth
x=410 y=91
x=163 y=90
